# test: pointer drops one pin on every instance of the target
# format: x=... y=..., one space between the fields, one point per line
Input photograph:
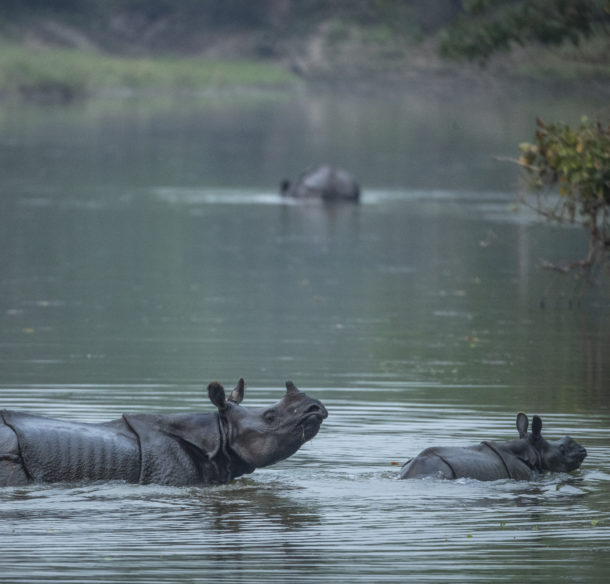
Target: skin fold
x=172 y=449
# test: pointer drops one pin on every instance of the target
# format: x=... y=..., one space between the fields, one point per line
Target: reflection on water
x=180 y=288
x=144 y=251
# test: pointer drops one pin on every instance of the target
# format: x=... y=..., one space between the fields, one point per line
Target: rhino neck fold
x=499 y=454
x=19 y=457
x=227 y=460
x=517 y=467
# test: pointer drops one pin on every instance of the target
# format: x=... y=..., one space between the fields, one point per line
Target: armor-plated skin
x=327 y=183
x=173 y=449
x=521 y=459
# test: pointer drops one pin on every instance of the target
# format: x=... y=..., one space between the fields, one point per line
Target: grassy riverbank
x=67 y=74
x=63 y=75
x=50 y=57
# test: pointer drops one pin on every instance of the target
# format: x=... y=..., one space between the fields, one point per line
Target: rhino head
x=260 y=437
x=564 y=455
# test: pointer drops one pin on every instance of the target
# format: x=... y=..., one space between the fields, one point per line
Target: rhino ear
x=285 y=186
x=537 y=426
x=522 y=424
x=216 y=392
x=237 y=395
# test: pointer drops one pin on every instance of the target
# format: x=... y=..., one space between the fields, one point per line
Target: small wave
x=188 y=196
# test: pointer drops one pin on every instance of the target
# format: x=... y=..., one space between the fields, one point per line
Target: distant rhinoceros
x=172 y=449
x=489 y=461
x=324 y=182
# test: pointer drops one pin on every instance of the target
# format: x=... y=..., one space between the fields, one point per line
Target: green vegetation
x=64 y=74
x=578 y=161
x=569 y=64
x=489 y=26
x=65 y=49
x=559 y=40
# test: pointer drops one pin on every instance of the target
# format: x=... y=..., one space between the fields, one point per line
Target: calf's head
x=563 y=455
x=261 y=437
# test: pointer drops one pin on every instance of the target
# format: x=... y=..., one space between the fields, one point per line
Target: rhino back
x=313 y=182
x=326 y=182
x=57 y=450
x=477 y=462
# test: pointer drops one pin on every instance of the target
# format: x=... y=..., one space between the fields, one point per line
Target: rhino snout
x=311 y=420
x=568 y=457
x=316 y=409
x=573 y=450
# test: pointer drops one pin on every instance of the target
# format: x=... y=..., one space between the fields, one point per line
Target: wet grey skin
x=172 y=449
x=324 y=182
x=521 y=459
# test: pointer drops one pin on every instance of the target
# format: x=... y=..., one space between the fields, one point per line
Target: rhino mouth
x=312 y=420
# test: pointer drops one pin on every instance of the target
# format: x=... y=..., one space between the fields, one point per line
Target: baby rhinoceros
x=171 y=449
x=520 y=459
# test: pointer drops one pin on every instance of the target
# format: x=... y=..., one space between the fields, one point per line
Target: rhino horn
x=291 y=389
x=237 y=395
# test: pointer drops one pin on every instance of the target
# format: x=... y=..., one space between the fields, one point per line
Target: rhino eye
x=562 y=449
x=269 y=416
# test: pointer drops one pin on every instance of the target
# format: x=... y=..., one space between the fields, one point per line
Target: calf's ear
x=237 y=395
x=522 y=424
x=216 y=393
x=537 y=426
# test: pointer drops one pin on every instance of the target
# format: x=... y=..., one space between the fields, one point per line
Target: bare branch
x=517 y=162
x=566 y=268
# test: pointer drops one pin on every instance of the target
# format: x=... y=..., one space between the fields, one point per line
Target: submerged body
x=488 y=461
x=323 y=182
x=176 y=449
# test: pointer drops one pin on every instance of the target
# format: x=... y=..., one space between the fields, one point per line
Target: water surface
x=144 y=251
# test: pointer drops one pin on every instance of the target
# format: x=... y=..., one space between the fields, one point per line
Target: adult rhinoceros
x=324 y=182
x=172 y=449
x=488 y=461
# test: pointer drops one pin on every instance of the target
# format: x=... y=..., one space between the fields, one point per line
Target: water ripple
x=335 y=511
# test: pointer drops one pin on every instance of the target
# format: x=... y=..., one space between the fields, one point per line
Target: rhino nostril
x=316 y=409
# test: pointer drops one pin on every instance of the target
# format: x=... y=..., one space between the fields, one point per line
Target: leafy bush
x=577 y=160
